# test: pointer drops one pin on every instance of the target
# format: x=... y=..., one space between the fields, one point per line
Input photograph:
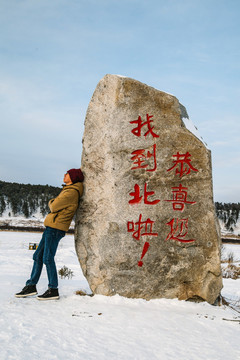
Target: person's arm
x=63 y=200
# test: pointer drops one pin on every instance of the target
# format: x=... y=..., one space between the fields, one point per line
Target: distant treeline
x=22 y=199
x=26 y=200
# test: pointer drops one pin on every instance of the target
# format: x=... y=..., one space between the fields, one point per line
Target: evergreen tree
x=25 y=209
x=2 y=205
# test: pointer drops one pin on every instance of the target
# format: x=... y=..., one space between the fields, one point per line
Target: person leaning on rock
x=57 y=222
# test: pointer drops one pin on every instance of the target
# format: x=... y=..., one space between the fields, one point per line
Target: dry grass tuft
x=82 y=293
x=65 y=272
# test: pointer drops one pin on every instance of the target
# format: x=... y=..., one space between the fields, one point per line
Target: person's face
x=67 y=180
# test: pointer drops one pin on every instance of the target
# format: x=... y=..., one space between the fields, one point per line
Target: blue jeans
x=45 y=255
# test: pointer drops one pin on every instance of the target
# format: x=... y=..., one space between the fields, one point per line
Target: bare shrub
x=231 y=271
x=230 y=257
x=65 y=272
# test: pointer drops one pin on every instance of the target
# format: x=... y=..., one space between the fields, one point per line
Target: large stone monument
x=146 y=225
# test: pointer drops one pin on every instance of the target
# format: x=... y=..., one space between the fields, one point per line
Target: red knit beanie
x=76 y=175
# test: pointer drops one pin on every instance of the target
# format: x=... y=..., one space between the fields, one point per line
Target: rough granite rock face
x=146 y=225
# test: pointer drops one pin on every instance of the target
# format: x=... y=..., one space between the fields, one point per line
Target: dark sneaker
x=28 y=290
x=50 y=294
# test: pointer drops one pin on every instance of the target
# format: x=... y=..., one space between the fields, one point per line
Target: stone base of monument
x=146 y=224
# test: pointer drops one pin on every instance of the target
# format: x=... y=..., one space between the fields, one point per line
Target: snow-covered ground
x=99 y=327
x=35 y=221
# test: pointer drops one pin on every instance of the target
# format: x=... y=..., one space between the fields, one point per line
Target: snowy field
x=98 y=327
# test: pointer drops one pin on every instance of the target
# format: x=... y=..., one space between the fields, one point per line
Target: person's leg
x=30 y=287
x=53 y=236
x=38 y=262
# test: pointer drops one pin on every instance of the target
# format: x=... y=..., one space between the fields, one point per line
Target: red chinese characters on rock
x=143 y=159
x=147 y=159
x=140 y=124
x=140 y=157
x=137 y=198
x=180 y=198
x=139 y=229
x=183 y=162
x=179 y=229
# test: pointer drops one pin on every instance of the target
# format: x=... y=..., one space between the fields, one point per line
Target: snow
x=99 y=327
x=122 y=76
x=21 y=221
x=194 y=130
x=34 y=221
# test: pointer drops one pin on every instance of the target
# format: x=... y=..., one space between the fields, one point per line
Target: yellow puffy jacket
x=63 y=207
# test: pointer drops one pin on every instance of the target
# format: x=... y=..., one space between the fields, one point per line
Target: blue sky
x=53 y=54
